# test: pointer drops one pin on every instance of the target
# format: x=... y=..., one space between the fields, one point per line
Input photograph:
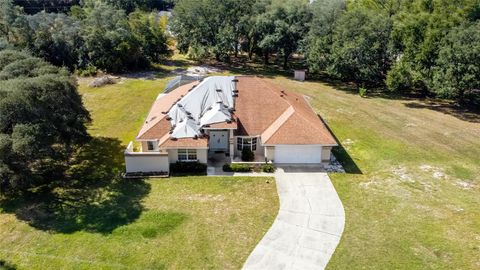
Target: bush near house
x=188 y=168
x=237 y=168
x=267 y=168
x=247 y=155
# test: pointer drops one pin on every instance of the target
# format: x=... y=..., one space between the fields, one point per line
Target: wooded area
x=430 y=47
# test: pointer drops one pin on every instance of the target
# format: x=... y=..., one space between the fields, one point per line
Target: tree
x=208 y=26
x=150 y=32
x=42 y=118
x=56 y=37
x=109 y=42
x=457 y=69
x=359 y=50
x=325 y=16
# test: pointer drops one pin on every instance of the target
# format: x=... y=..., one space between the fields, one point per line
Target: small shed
x=299 y=75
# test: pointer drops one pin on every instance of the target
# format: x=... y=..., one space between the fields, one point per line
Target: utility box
x=299 y=75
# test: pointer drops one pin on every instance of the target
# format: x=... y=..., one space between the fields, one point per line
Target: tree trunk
x=285 y=61
x=236 y=49
x=265 y=58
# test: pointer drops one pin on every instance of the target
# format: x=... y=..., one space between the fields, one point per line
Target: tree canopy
x=97 y=35
x=41 y=118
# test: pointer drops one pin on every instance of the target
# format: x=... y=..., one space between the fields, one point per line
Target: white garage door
x=298 y=154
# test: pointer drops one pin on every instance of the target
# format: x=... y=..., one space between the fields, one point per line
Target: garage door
x=298 y=154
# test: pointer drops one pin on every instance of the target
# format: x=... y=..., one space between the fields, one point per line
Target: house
x=220 y=116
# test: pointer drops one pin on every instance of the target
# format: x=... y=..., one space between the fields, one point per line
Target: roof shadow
x=341 y=154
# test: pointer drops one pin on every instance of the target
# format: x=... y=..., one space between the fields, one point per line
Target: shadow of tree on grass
x=6 y=266
x=446 y=107
x=92 y=196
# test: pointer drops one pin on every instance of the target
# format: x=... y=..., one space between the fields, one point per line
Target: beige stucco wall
x=270 y=152
x=145 y=147
x=326 y=152
x=146 y=163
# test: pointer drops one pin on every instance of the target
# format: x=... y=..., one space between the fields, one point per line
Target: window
x=246 y=143
x=187 y=155
x=150 y=146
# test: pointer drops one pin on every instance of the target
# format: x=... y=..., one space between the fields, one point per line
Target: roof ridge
x=277 y=124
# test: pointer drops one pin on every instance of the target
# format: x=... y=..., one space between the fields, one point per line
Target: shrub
x=268 y=168
x=237 y=168
x=89 y=70
x=247 y=155
x=188 y=168
x=362 y=92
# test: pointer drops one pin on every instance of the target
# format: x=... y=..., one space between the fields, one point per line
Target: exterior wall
x=145 y=147
x=326 y=152
x=202 y=155
x=146 y=162
x=260 y=149
x=270 y=152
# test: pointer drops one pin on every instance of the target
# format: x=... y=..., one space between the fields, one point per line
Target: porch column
x=232 y=145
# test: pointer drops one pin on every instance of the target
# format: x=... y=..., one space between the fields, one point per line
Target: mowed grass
x=175 y=223
x=416 y=203
x=119 y=110
x=186 y=223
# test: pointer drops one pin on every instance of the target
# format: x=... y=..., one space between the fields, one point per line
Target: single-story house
x=222 y=115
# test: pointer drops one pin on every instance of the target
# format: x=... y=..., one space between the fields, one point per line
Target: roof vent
x=168 y=118
x=153 y=118
x=188 y=113
x=235 y=91
x=190 y=117
x=179 y=105
x=235 y=95
x=229 y=121
x=164 y=112
x=219 y=90
x=181 y=120
x=281 y=95
x=209 y=108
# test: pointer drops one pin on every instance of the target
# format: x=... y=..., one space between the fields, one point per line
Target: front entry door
x=218 y=140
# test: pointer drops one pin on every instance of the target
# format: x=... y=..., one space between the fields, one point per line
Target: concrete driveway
x=308 y=226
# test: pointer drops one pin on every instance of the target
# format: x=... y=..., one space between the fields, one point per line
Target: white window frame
x=190 y=155
x=241 y=143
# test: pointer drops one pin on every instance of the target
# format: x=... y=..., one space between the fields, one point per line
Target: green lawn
x=411 y=196
x=108 y=223
x=184 y=223
x=416 y=203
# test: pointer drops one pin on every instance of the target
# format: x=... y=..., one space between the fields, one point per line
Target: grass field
x=412 y=199
x=177 y=223
x=411 y=196
x=184 y=223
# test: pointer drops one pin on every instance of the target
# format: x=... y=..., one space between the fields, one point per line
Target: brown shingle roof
x=185 y=143
x=155 y=125
x=290 y=118
x=256 y=107
x=262 y=108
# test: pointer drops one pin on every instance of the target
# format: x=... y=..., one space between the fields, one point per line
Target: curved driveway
x=308 y=226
